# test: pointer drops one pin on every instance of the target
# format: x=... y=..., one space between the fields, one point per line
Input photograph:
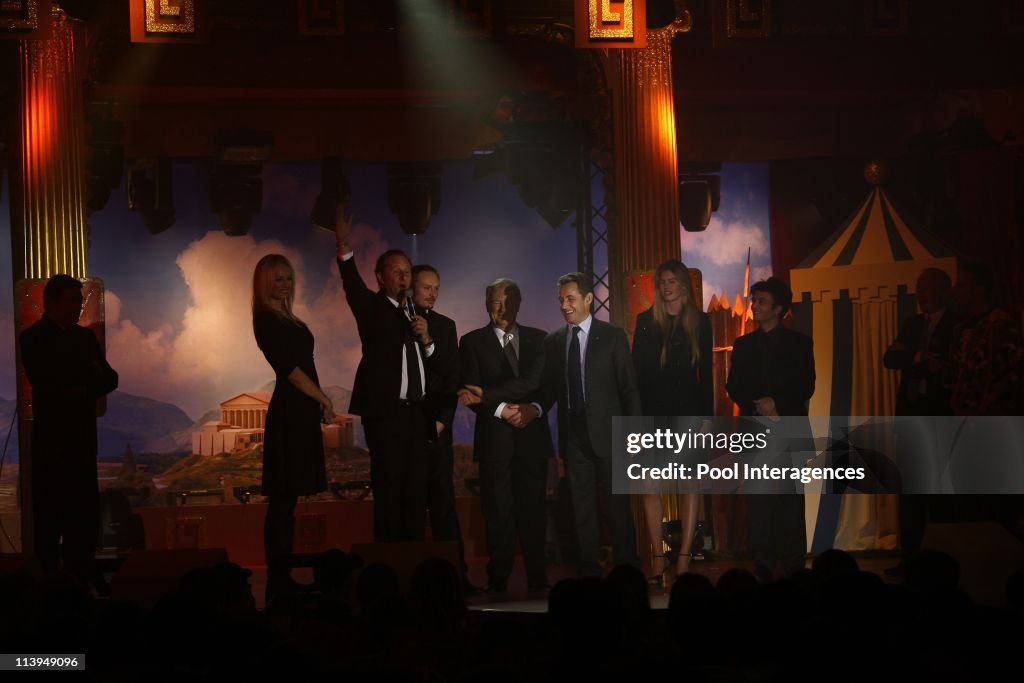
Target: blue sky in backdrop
x=178 y=303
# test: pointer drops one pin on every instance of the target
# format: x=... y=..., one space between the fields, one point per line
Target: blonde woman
x=672 y=356
x=293 y=448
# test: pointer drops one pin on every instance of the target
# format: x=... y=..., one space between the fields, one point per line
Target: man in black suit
x=921 y=353
x=587 y=367
x=442 y=383
x=510 y=443
x=772 y=374
x=389 y=389
x=65 y=365
x=921 y=349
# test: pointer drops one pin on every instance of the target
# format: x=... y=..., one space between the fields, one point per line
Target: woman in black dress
x=293 y=447
x=672 y=356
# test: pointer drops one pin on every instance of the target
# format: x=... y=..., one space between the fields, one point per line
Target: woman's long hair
x=688 y=318
x=263 y=281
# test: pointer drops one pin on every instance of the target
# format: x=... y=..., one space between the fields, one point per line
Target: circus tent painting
x=850 y=295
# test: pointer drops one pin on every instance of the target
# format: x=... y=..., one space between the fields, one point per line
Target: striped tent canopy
x=871 y=255
x=876 y=233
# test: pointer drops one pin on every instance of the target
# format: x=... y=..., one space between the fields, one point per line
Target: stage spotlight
x=236 y=184
x=150 y=194
x=104 y=160
x=236 y=195
x=414 y=194
x=546 y=177
x=335 y=190
x=694 y=205
x=660 y=13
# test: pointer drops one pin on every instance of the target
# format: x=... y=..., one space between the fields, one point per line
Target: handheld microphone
x=410 y=307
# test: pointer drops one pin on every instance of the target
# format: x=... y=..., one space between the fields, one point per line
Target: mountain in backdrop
x=148 y=425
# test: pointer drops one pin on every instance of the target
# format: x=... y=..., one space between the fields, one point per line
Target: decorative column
x=646 y=229
x=49 y=234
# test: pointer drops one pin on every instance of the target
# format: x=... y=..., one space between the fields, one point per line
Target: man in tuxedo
x=921 y=352
x=772 y=374
x=68 y=373
x=442 y=383
x=389 y=388
x=511 y=444
x=587 y=368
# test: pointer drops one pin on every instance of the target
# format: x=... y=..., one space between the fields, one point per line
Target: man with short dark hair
x=772 y=374
x=441 y=401
x=66 y=368
x=389 y=389
x=511 y=444
x=587 y=367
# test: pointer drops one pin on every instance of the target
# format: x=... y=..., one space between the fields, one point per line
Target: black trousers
x=776 y=531
x=590 y=483
x=444 y=519
x=513 y=494
x=66 y=513
x=398 y=473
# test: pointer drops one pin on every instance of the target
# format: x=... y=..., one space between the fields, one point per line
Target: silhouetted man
x=772 y=374
x=68 y=373
x=921 y=353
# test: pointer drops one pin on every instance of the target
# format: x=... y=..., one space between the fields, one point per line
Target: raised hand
x=342 y=229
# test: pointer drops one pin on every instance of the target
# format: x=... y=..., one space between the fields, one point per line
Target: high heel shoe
x=658 y=580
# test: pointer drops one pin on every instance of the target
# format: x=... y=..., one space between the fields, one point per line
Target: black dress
x=679 y=388
x=293 y=446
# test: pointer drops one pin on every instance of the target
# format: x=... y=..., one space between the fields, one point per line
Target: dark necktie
x=575 y=375
x=510 y=354
x=414 y=392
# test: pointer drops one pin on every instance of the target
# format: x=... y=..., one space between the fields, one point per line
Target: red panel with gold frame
x=611 y=23
x=321 y=17
x=25 y=19
x=29 y=297
x=168 y=21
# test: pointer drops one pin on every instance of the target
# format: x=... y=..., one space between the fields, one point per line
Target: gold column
x=49 y=234
x=646 y=176
x=645 y=231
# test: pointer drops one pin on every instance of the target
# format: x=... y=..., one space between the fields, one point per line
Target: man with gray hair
x=511 y=444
